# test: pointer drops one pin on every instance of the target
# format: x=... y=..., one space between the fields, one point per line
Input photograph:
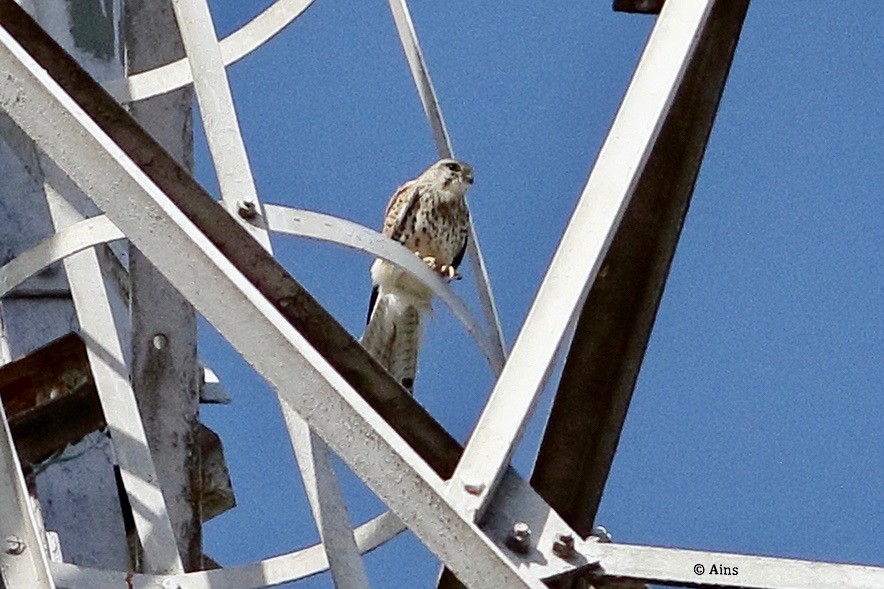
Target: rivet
x=160 y=341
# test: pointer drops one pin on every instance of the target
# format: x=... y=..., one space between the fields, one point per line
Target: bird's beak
x=467 y=174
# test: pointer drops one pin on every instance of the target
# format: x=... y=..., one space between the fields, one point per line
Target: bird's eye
x=452 y=166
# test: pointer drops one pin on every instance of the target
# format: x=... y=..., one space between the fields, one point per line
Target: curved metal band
x=234 y=47
x=271 y=571
x=76 y=238
x=282 y=219
x=291 y=221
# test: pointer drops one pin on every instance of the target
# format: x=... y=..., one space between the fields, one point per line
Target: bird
x=429 y=216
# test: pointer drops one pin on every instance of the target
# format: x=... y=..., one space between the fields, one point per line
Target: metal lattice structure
x=489 y=526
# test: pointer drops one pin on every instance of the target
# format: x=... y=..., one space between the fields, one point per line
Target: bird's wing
x=372 y=302
x=459 y=257
x=401 y=206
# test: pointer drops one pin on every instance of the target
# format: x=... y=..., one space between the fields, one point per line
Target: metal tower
x=101 y=382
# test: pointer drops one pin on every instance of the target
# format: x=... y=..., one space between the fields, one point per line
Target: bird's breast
x=439 y=229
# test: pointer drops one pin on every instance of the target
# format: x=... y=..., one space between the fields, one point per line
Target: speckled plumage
x=429 y=216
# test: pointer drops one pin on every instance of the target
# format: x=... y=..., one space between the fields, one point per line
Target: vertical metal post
x=165 y=373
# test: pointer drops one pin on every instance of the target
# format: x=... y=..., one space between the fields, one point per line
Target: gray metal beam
x=615 y=324
x=165 y=374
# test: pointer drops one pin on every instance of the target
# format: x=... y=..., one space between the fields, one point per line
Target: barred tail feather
x=378 y=336
x=403 y=354
x=393 y=336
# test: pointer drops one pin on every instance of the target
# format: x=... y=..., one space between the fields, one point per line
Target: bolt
x=247 y=209
x=170 y=584
x=14 y=545
x=519 y=539
x=563 y=547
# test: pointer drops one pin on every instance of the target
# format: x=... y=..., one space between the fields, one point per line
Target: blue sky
x=757 y=422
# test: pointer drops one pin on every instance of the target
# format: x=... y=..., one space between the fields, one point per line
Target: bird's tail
x=393 y=336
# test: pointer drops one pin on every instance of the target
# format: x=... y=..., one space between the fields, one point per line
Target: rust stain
x=129 y=580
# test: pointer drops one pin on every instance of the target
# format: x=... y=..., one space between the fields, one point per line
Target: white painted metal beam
x=301 y=223
x=221 y=126
x=181 y=232
x=581 y=251
x=23 y=561
x=421 y=75
x=240 y=196
x=90 y=290
x=234 y=47
x=269 y=572
x=694 y=568
x=611 y=336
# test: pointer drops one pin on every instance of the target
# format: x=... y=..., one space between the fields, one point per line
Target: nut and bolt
x=14 y=545
x=170 y=584
x=247 y=209
x=519 y=539
x=563 y=547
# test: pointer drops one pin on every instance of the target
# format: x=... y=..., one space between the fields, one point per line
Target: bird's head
x=454 y=175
